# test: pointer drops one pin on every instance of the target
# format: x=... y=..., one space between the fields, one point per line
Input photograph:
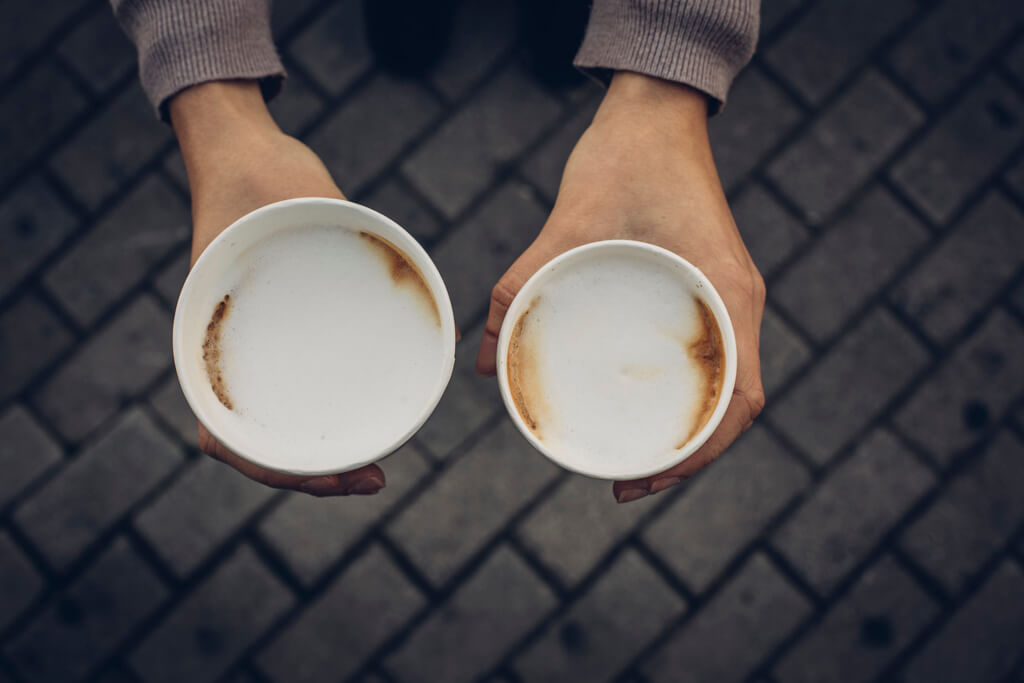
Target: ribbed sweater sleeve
x=185 y=42
x=702 y=43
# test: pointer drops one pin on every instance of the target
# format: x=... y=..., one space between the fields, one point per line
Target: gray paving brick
x=970 y=392
x=946 y=47
x=1015 y=178
x=723 y=642
x=1015 y=60
x=19 y=582
x=310 y=534
x=576 y=525
x=481 y=33
x=365 y=134
x=53 y=101
x=397 y=202
x=118 y=673
x=851 y=510
x=831 y=40
x=544 y=166
x=334 y=635
x=31 y=338
x=962 y=149
x=759 y=114
x=111 y=149
x=26 y=451
x=461 y=159
x=97 y=488
x=25 y=27
x=116 y=363
x=618 y=616
x=33 y=222
x=845 y=145
x=333 y=48
x=976 y=515
x=783 y=352
x=297 y=104
x=468 y=403
x=849 y=385
x=725 y=508
x=171 y=277
x=169 y=403
x=956 y=280
x=207 y=632
x=465 y=637
x=849 y=264
x=774 y=11
x=770 y=232
x=476 y=495
x=82 y=626
x=99 y=50
x=982 y=640
x=1017 y=298
x=879 y=616
x=472 y=257
x=174 y=166
x=204 y=506
x=285 y=15
x=119 y=250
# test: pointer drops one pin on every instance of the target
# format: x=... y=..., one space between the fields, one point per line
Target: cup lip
x=413 y=250
x=704 y=289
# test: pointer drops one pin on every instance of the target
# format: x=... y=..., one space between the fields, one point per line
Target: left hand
x=643 y=170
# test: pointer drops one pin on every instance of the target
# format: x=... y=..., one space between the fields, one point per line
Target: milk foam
x=323 y=352
x=610 y=375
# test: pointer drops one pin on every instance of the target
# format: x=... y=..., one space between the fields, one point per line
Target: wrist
x=674 y=105
x=209 y=112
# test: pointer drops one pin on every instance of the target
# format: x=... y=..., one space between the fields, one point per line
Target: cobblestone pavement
x=871 y=526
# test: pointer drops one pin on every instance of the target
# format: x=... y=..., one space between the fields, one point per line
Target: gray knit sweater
x=702 y=43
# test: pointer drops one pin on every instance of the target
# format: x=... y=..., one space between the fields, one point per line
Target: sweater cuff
x=702 y=43
x=182 y=43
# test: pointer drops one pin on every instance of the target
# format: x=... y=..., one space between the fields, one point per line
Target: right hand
x=239 y=160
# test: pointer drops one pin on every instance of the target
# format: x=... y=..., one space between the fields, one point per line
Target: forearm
x=659 y=113
x=215 y=118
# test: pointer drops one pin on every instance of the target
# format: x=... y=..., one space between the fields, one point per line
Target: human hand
x=643 y=170
x=239 y=160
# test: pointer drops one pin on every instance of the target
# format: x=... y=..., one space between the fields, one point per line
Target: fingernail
x=320 y=486
x=367 y=487
x=662 y=484
x=629 y=495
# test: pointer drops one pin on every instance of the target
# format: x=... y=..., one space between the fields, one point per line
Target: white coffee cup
x=617 y=359
x=336 y=343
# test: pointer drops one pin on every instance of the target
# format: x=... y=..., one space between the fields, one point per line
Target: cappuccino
x=323 y=346
x=614 y=360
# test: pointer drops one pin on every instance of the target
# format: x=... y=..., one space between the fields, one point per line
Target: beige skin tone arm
x=239 y=160
x=642 y=170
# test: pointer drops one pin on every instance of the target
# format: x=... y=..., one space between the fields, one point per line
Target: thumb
x=501 y=298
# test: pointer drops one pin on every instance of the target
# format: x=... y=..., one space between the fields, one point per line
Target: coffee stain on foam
x=524 y=377
x=212 y=351
x=403 y=271
x=708 y=354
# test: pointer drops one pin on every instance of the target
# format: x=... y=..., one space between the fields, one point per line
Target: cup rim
x=704 y=289
x=224 y=242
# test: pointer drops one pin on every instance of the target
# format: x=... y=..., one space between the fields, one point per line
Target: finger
x=737 y=419
x=486 y=359
x=366 y=480
x=501 y=298
x=746 y=403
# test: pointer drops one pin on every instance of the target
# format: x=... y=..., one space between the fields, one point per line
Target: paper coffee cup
x=313 y=336
x=617 y=359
